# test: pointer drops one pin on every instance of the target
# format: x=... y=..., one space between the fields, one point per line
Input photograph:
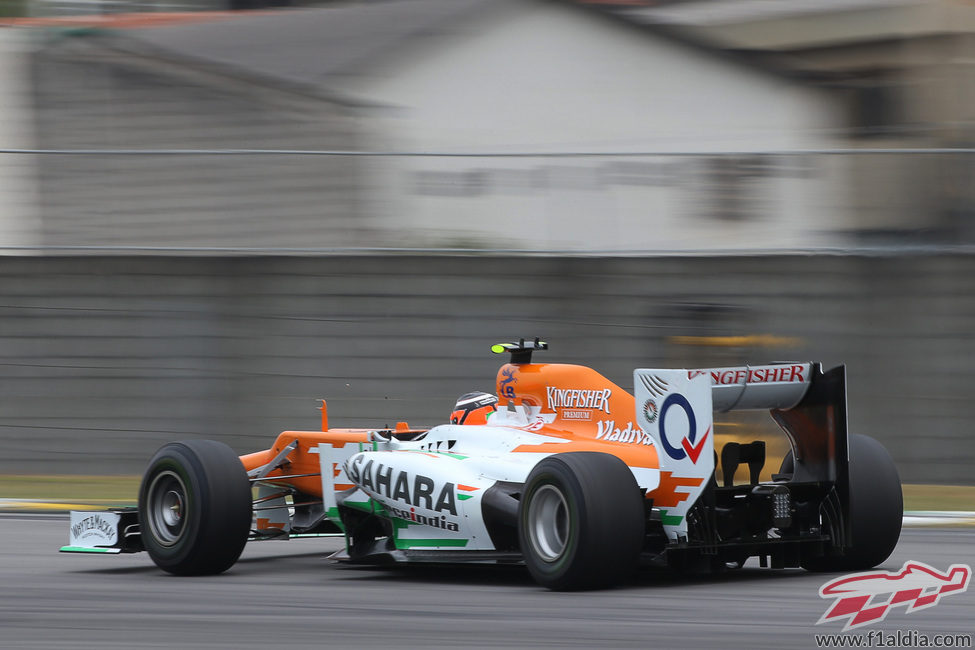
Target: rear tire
x=876 y=510
x=581 y=521
x=195 y=508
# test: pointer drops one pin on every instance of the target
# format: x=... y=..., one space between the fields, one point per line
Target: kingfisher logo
x=578 y=399
x=865 y=598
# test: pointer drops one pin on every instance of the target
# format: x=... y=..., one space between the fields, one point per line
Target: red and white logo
x=865 y=598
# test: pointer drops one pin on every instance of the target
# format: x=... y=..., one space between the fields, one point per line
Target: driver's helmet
x=474 y=408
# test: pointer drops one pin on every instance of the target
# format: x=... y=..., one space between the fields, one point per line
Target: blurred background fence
x=209 y=219
x=105 y=358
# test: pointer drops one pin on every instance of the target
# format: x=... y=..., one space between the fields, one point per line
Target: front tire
x=195 y=508
x=581 y=521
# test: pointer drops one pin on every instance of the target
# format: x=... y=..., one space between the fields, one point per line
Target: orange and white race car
x=572 y=475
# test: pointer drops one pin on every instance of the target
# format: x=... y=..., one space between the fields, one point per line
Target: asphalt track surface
x=288 y=595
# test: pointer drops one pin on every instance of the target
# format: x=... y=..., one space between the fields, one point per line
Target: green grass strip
x=116 y=489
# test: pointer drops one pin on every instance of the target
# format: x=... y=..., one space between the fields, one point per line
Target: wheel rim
x=166 y=508
x=548 y=523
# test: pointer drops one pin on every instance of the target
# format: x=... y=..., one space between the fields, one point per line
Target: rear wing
x=676 y=408
x=778 y=386
x=808 y=404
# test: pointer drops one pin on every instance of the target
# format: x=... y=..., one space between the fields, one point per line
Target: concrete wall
x=104 y=359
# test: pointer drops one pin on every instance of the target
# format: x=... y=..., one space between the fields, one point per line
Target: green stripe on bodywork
x=400 y=525
x=670 y=520
x=464 y=497
x=426 y=543
x=88 y=549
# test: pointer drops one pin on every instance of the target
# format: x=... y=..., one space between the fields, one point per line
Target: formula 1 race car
x=571 y=475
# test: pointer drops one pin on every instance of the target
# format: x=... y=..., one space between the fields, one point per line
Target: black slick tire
x=195 y=508
x=581 y=521
x=876 y=510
